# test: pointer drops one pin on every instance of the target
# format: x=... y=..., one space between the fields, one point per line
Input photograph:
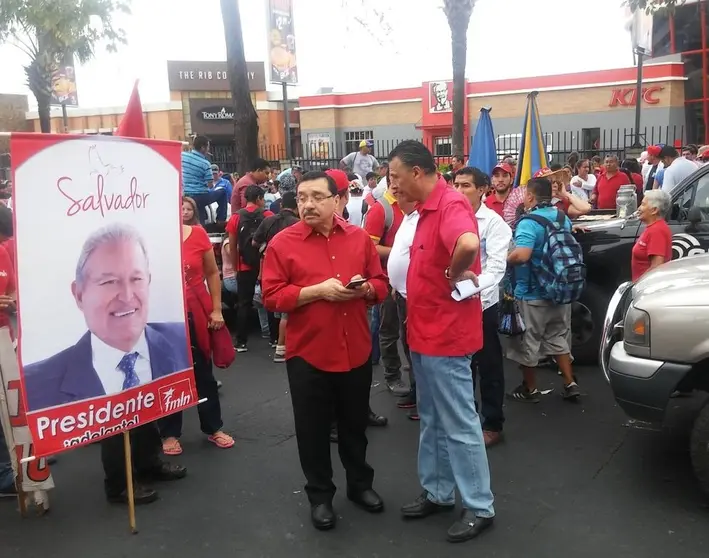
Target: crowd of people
x=344 y=266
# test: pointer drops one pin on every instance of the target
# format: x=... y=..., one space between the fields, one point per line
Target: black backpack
x=248 y=223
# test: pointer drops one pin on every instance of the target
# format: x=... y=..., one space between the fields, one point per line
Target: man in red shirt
x=443 y=335
x=608 y=184
x=260 y=170
x=245 y=257
x=306 y=271
x=504 y=199
x=382 y=222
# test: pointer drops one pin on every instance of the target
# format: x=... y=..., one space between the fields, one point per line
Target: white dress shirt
x=106 y=360
x=495 y=237
x=400 y=255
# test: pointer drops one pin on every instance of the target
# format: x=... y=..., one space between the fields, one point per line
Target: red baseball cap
x=340 y=178
x=545 y=171
x=654 y=150
x=504 y=167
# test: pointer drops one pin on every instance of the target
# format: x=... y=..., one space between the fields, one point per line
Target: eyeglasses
x=315 y=198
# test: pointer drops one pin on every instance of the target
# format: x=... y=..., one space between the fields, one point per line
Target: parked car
x=607 y=248
x=655 y=341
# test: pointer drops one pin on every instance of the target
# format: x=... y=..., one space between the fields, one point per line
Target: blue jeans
x=451 y=446
x=262 y=312
x=7 y=477
x=208 y=198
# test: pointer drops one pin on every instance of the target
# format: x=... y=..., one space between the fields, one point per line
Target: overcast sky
x=506 y=39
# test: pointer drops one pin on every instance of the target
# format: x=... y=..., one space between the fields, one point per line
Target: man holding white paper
x=495 y=237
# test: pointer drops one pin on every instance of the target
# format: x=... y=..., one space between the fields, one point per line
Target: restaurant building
x=584 y=111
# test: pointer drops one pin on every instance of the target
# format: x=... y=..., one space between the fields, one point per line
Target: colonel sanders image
x=440 y=101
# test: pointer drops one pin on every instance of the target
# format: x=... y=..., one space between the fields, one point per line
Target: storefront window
x=443 y=146
x=689 y=36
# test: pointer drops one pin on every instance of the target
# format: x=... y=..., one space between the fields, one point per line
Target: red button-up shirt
x=437 y=324
x=331 y=336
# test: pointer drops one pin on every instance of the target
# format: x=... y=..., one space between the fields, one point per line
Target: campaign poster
x=64 y=90
x=103 y=338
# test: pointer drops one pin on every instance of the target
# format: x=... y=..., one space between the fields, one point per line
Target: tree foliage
x=652 y=6
x=49 y=30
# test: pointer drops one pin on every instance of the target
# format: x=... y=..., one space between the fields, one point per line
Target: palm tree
x=49 y=32
x=458 y=13
x=653 y=6
x=245 y=117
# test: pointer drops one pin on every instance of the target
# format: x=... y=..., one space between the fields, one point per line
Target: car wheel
x=699 y=448
x=587 y=315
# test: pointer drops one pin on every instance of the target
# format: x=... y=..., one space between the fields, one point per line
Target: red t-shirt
x=237 y=194
x=437 y=324
x=655 y=240
x=563 y=205
x=375 y=221
x=193 y=250
x=232 y=228
x=607 y=189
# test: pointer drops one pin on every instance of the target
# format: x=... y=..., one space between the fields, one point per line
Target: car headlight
x=636 y=330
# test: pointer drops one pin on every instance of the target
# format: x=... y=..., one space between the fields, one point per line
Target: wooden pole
x=129 y=482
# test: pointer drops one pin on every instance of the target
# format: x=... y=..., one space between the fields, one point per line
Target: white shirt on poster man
x=400 y=255
x=495 y=237
x=106 y=360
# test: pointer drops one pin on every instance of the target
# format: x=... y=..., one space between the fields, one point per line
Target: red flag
x=132 y=124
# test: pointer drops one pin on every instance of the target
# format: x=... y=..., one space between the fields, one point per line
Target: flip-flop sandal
x=222 y=440
x=171 y=447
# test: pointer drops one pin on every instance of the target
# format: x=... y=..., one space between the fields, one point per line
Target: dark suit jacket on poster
x=70 y=376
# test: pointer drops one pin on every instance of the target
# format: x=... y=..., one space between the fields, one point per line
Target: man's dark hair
x=480 y=179
x=384 y=164
x=540 y=188
x=353 y=176
x=289 y=201
x=200 y=142
x=260 y=164
x=413 y=153
x=669 y=151
x=555 y=167
x=6 y=228
x=456 y=158
x=632 y=165
x=693 y=149
x=371 y=175
x=253 y=193
x=317 y=175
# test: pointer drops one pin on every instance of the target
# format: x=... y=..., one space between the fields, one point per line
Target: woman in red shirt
x=7 y=269
x=204 y=304
x=654 y=245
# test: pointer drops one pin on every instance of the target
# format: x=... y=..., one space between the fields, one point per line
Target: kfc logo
x=174 y=397
x=441 y=93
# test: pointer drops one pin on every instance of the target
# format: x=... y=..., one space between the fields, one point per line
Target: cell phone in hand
x=355 y=284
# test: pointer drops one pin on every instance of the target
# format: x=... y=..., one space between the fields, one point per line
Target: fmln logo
x=175 y=396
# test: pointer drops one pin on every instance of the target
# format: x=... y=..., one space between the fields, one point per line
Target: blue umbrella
x=483 y=151
x=532 y=151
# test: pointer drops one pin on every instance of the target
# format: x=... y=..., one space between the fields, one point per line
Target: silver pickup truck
x=655 y=342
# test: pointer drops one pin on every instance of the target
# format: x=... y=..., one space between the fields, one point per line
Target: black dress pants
x=145 y=451
x=246 y=287
x=316 y=397
x=487 y=365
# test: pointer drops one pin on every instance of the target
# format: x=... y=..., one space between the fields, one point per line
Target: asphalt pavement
x=571 y=480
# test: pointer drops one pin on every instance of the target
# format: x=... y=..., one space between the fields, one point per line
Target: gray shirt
x=361 y=164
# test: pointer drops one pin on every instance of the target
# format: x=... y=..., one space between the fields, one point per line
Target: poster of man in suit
x=103 y=343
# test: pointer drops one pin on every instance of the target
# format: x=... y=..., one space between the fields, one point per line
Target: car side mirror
x=695 y=216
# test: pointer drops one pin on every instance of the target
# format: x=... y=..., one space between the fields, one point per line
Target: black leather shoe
x=423 y=507
x=323 y=517
x=468 y=527
x=141 y=495
x=377 y=420
x=165 y=472
x=368 y=500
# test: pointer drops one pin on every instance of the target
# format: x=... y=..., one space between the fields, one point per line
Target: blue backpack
x=561 y=274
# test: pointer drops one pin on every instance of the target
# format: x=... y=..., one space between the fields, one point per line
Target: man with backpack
x=246 y=257
x=382 y=222
x=549 y=274
x=266 y=231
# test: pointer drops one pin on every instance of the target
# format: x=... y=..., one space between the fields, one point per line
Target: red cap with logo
x=504 y=167
x=340 y=178
x=654 y=150
x=545 y=171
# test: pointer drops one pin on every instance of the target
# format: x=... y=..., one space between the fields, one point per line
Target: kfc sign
x=626 y=97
